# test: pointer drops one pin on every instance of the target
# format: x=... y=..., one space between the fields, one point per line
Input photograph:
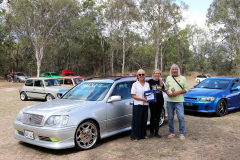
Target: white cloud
x=193 y=17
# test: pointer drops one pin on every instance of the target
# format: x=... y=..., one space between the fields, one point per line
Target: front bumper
x=42 y=135
x=198 y=106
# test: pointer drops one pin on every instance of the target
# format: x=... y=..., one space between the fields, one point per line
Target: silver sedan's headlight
x=207 y=99
x=19 y=117
x=57 y=121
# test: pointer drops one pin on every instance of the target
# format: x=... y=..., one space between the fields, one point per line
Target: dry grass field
x=207 y=137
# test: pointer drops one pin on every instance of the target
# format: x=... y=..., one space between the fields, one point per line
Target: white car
x=200 y=78
x=40 y=88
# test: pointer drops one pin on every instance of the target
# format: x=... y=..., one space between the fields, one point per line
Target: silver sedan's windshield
x=88 y=91
x=214 y=84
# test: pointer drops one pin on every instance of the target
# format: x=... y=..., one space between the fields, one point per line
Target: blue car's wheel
x=222 y=108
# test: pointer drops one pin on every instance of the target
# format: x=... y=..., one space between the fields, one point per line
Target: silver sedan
x=93 y=110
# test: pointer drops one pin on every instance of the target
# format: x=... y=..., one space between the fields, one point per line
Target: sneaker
x=171 y=135
x=181 y=136
x=151 y=135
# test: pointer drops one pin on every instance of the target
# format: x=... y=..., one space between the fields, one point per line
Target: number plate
x=29 y=134
x=188 y=104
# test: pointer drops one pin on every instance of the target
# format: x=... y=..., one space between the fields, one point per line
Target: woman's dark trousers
x=139 y=122
x=156 y=110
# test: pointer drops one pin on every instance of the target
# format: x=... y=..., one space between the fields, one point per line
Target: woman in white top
x=140 y=107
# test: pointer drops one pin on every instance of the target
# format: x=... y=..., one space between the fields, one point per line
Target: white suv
x=200 y=78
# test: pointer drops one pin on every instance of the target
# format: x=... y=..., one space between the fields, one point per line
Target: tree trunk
x=123 y=50
x=102 y=45
x=161 y=58
x=157 y=53
x=112 y=54
x=17 y=60
x=39 y=55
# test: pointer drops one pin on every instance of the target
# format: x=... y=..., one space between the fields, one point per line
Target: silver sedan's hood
x=57 y=106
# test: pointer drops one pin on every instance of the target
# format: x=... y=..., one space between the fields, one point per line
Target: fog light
x=207 y=108
x=54 y=139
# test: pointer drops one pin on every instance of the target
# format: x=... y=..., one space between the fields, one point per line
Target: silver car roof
x=113 y=79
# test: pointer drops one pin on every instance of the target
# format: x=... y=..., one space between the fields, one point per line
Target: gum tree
x=38 y=18
x=161 y=16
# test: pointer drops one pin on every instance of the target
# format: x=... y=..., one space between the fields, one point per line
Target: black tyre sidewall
x=76 y=145
x=49 y=95
x=24 y=95
x=217 y=109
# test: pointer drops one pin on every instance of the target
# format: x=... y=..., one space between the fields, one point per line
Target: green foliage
x=226 y=13
x=107 y=38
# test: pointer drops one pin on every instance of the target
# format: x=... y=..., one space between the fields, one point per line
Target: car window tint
x=236 y=84
x=20 y=74
x=55 y=74
x=51 y=82
x=123 y=90
x=60 y=81
x=29 y=83
x=214 y=84
x=68 y=82
x=38 y=83
x=78 y=80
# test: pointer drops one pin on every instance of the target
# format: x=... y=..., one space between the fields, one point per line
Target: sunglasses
x=141 y=74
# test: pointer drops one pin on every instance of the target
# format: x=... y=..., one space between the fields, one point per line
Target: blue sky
x=201 y=6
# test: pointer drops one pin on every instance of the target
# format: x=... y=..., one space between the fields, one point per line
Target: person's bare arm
x=138 y=98
x=179 y=92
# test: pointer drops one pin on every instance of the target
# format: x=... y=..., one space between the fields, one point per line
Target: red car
x=128 y=74
x=67 y=72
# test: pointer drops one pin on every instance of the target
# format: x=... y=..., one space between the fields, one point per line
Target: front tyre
x=49 y=97
x=222 y=108
x=23 y=96
x=86 y=135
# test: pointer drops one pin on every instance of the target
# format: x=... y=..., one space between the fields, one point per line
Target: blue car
x=214 y=95
x=60 y=93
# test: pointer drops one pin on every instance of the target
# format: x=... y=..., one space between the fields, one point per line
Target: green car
x=50 y=75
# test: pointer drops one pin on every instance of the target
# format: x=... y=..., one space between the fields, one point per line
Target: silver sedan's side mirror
x=114 y=99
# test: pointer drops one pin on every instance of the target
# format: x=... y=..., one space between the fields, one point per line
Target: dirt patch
x=207 y=137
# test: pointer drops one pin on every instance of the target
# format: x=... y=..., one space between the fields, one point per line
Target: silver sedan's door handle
x=131 y=103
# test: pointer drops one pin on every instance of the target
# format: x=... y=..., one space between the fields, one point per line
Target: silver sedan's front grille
x=32 y=119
